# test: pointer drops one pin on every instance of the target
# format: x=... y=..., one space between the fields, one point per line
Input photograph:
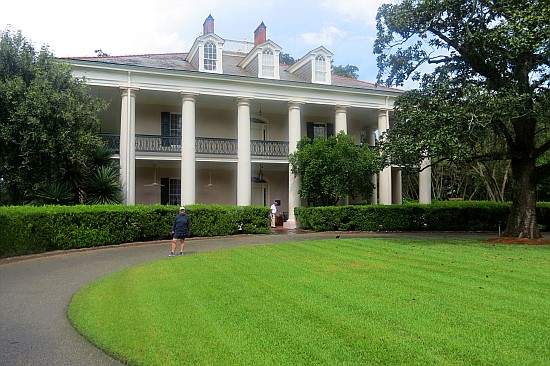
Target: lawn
x=334 y=302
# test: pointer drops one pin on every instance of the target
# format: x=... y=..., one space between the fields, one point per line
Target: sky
x=347 y=28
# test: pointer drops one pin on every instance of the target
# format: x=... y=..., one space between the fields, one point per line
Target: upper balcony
x=203 y=145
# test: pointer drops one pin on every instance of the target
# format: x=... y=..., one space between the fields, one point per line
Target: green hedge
x=26 y=230
x=440 y=216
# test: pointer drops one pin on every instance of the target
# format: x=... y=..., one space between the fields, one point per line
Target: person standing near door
x=273 y=213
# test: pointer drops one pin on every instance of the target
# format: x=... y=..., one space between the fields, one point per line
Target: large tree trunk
x=522 y=221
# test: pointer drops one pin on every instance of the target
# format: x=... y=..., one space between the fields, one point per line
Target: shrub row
x=27 y=230
x=440 y=216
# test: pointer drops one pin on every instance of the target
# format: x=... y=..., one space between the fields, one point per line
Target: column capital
x=187 y=96
x=244 y=100
x=341 y=107
x=124 y=90
x=295 y=104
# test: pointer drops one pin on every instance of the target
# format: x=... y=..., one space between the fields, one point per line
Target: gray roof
x=231 y=60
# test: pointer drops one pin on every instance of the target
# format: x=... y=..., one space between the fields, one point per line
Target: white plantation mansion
x=215 y=125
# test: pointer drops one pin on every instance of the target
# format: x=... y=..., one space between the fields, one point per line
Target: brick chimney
x=260 y=34
x=208 y=25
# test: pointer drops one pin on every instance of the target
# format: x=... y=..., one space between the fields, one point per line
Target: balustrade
x=203 y=145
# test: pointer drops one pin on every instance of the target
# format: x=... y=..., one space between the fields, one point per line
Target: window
x=319 y=130
x=170 y=128
x=175 y=125
x=320 y=69
x=174 y=192
x=315 y=129
x=210 y=56
x=268 y=63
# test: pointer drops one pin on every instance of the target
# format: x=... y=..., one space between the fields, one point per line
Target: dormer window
x=210 y=56
x=268 y=63
x=263 y=60
x=314 y=66
x=320 y=69
x=206 y=53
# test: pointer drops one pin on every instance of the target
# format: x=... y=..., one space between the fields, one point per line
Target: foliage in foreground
x=48 y=120
x=333 y=168
x=345 y=301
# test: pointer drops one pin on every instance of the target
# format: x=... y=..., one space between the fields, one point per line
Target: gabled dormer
x=263 y=59
x=314 y=66
x=206 y=53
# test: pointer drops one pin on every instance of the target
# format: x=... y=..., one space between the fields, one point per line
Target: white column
x=187 y=148
x=425 y=182
x=128 y=144
x=397 y=186
x=244 y=168
x=340 y=119
x=371 y=134
x=385 y=181
x=341 y=125
x=294 y=135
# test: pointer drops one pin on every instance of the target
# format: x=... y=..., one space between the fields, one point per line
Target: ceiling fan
x=210 y=185
x=154 y=183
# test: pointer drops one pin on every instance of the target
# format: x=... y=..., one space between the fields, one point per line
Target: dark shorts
x=180 y=236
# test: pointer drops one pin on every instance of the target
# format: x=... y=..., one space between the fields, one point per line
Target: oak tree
x=487 y=86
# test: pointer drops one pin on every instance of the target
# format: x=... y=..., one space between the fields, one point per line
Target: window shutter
x=310 y=132
x=330 y=129
x=164 y=191
x=165 y=128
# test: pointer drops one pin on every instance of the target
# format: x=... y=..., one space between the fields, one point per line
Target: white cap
x=182 y=208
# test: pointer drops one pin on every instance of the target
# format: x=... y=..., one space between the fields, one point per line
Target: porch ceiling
x=210 y=165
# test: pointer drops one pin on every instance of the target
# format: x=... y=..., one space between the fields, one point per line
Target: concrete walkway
x=35 y=291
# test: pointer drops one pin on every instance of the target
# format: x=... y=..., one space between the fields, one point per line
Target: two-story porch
x=239 y=146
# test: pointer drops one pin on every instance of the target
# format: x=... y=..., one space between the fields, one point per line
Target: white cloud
x=123 y=27
x=363 y=11
x=328 y=36
x=117 y=27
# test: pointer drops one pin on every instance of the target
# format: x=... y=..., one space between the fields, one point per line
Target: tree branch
x=542 y=149
x=542 y=172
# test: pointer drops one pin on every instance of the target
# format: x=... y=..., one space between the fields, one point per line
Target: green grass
x=337 y=302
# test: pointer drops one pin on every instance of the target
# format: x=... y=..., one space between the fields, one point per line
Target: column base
x=290 y=224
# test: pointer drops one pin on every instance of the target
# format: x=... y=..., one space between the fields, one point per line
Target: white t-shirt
x=273 y=209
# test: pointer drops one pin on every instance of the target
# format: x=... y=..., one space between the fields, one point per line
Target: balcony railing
x=203 y=145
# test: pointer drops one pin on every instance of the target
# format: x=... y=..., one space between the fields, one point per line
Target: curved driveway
x=36 y=290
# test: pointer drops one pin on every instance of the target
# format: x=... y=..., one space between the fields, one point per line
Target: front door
x=260 y=194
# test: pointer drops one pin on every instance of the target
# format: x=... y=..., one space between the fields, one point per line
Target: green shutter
x=330 y=129
x=165 y=128
x=310 y=132
x=164 y=191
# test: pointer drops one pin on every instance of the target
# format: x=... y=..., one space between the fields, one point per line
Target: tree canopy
x=286 y=59
x=487 y=96
x=48 y=120
x=349 y=71
x=333 y=168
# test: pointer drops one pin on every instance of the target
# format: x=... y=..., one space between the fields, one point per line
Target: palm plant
x=103 y=187
x=55 y=193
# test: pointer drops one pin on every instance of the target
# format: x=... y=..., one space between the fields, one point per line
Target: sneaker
x=171 y=254
x=181 y=253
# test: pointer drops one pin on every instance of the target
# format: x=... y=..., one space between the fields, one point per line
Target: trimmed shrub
x=439 y=216
x=28 y=230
